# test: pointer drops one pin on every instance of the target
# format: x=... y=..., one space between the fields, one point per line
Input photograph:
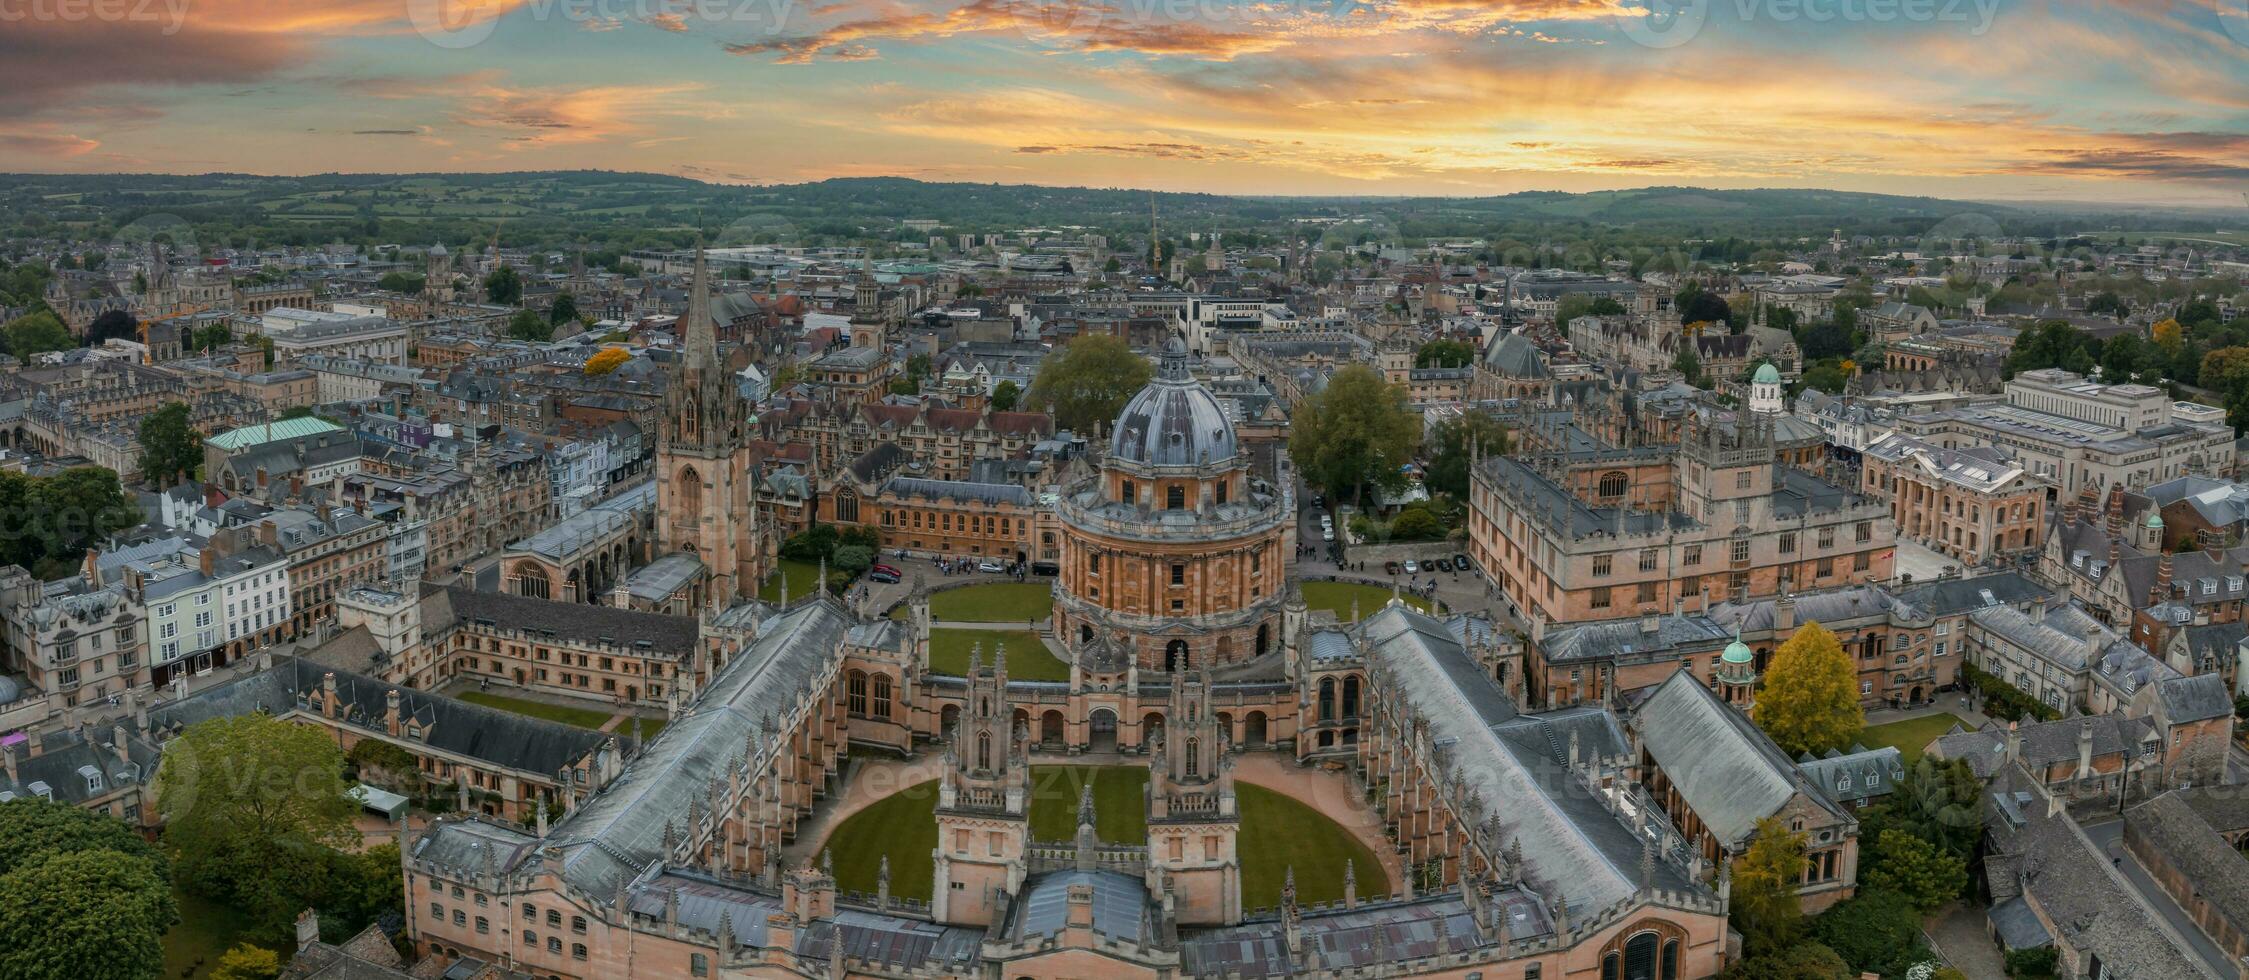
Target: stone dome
x=1174 y=421
x=1767 y=374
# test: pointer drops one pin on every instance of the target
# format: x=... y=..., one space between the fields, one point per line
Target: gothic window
x=690 y=493
x=855 y=693
x=1194 y=765
x=984 y=750
x=1613 y=483
x=881 y=708
x=1640 y=957
x=1327 y=699
x=1351 y=697
x=847 y=506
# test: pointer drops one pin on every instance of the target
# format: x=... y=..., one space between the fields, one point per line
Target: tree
x=211 y=337
x=2167 y=335
x=2107 y=302
x=1088 y=381
x=1805 y=961
x=1448 y=464
x=247 y=962
x=1005 y=395
x=112 y=325
x=33 y=830
x=1688 y=365
x=1764 y=889
x=401 y=282
x=253 y=808
x=35 y=333
x=1417 y=524
x=1810 y=701
x=1940 y=802
x=529 y=325
x=1913 y=867
x=85 y=914
x=1696 y=305
x=2053 y=344
x=1876 y=931
x=607 y=360
x=171 y=449
x=1356 y=431
x=1826 y=375
x=1444 y=354
x=2226 y=369
x=504 y=286
x=564 y=310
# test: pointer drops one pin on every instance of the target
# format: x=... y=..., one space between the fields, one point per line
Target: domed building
x=1174 y=550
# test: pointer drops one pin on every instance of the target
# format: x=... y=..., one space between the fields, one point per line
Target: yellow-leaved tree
x=1810 y=700
x=610 y=359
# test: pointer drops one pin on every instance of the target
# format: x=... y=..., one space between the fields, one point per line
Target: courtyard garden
x=800 y=576
x=1336 y=597
x=1027 y=656
x=1910 y=736
x=566 y=714
x=1277 y=832
x=997 y=602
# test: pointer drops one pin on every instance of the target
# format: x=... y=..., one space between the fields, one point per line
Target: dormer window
x=93 y=778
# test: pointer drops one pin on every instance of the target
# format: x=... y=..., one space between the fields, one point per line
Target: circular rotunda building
x=1174 y=550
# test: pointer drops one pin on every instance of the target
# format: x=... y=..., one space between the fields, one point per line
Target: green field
x=800 y=575
x=1910 y=736
x=581 y=717
x=205 y=931
x=1277 y=833
x=999 y=602
x=1336 y=597
x=1027 y=656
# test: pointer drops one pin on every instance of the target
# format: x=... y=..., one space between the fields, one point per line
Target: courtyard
x=1337 y=597
x=1278 y=832
x=1027 y=656
x=1911 y=735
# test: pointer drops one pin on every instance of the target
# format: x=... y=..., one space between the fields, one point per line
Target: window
x=1693 y=555
x=577 y=951
x=1741 y=549
x=1601 y=598
x=1741 y=480
x=578 y=924
x=698 y=965
x=554 y=944
x=1178 y=574
x=1827 y=538
x=482 y=925
x=1647 y=592
x=882 y=696
x=1602 y=565
x=1175 y=497
x=1788 y=542
x=530 y=938
x=1648 y=560
x=1865 y=531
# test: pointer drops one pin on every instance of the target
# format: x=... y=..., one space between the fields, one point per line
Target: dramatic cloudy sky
x=2121 y=100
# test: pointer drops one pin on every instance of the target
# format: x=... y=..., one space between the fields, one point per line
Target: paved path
x=1957 y=933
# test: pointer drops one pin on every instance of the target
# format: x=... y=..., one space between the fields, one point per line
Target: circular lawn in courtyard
x=1277 y=832
x=1336 y=597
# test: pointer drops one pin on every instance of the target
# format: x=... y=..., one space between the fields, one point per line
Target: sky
x=2123 y=101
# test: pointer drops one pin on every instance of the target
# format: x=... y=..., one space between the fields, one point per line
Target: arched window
x=1175 y=655
x=1351 y=697
x=881 y=708
x=1263 y=638
x=855 y=692
x=1640 y=957
x=984 y=750
x=1175 y=497
x=690 y=493
x=1612 y=966
x=1613 y=483
x=847 y=506
x=1670 y=960
x=1327 y=699
x=1194 y=765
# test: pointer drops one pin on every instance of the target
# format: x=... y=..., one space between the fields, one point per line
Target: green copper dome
x=1767 y=374
x=1738 y=652
x=2154 y=521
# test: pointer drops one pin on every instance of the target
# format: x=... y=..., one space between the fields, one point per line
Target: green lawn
x=1027 y=656
x=205 y=931
x=1910 y=736
x=1277 y=833
x=581 y=717
x=999 y=602
x=1336 y=597
x=801 y=576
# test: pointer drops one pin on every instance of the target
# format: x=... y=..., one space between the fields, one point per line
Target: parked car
x=1046 y=568
x=1413 y=567
x=1390 y=567
x=1464 y=563
x=990 y=566
x=883 y=569
x=1327 y=534
x=1442 y=564
x=885 y=578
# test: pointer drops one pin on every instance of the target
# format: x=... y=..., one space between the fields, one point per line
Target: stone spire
x=699 y=341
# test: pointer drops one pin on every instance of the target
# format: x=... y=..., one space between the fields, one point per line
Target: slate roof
x=2044 y=743
x=2198 y=698
x=672 y=635
x=66 y=758
x=1120 y=906
x=1860 y=774
x=500 y=738
x=1368 y=938
x=611 y=836
x=1513 y=356
x=1574 y=848
x=1728 y=772
x=1949 y=597
x=2173 y=827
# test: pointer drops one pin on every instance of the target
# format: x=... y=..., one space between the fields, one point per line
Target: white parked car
x=1412 y=567
x=991 y=566
x=1327 y=534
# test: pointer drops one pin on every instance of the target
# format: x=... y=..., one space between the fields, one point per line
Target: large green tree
x=1448 y=460
x=81 y=895
x=1087 y=382
x=564 y=310
x=171 y=449
x=1765 y=907
x=2050 y=345
x=1810 y=699
x=36 y=333
x=1877 y=931
x=529 y=325
x=401 y=282
x=1916 y=868
x=1355 y=432
x=1444 y=354
x=1005 y=395
x=504 y=286
x=254 y=809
